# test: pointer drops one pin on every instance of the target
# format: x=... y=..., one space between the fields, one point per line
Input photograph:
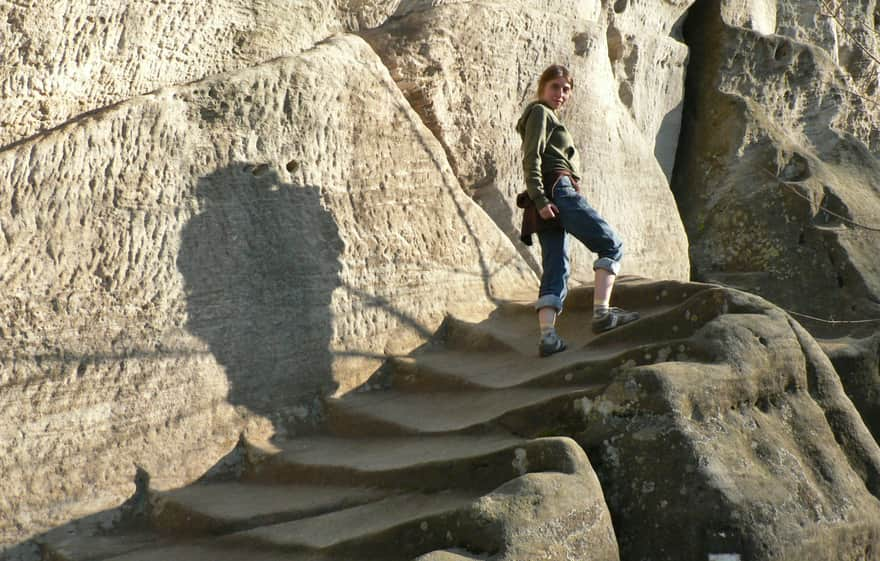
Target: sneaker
x=614 y=317
x=550 y=344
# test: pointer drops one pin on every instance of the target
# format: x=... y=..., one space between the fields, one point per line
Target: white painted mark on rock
x=520 y=461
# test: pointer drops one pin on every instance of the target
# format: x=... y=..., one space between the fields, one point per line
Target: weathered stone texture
x=648 y=58
x=468 y=68
x=212 y=257
x=857 y=362
x=736 y=440
x=554 y=516
x=64 y=58
x=777 y=172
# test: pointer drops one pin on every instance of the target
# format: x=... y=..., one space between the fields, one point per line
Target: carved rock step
x=456 y=370
x=630 y=292
x=428 y=463
x=400 y=413
x=415 y=519
x=83 y=545
x=230 y=506
x=669 y=311
x=447 y=555
x=213 y=551
x=399 y=527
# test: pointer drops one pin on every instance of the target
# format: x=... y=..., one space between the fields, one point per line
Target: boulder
x=211 y=259
x=468 y=69
x=731 y=436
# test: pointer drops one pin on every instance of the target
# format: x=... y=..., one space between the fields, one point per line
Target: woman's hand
x=549 y=211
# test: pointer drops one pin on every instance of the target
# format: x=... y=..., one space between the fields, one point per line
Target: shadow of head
x=260 y=262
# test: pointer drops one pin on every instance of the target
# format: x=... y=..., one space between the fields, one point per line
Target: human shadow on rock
x=260 y=262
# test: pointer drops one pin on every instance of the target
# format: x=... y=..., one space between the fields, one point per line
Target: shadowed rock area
x=260 y=263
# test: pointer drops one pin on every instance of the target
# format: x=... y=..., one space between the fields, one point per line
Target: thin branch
x=843 y=28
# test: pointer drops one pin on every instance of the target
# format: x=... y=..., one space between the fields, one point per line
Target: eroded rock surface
x=209 y=259
x=67 y=57
x=468 y=68
x=715 y=424
x=777 y=170
x=742 y=433
x=857 y=362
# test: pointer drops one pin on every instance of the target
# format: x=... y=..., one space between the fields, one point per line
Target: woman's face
x=556 y=93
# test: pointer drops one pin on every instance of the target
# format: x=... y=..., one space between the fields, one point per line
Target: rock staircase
x=471 y=448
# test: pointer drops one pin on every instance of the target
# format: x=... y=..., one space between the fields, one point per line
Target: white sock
x=600 y=309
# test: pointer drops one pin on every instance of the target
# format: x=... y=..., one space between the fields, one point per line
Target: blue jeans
x=582 y=221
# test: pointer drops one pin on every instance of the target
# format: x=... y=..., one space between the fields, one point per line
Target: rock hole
x=624 y=92
x=783 y=51
x=620 y=6
x=260 y=169
x=292 y=166
x=831 y=258
x=763 y=341
x=831 y=207
x=615 y=44
x=81 y=370
x=802 y=238
x=840 y=282
x=582 y=44
x=796 y=169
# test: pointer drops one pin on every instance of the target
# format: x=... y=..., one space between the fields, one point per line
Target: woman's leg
x=584 y=223
x=547 y=320
x=554 y=288
x=604 y=282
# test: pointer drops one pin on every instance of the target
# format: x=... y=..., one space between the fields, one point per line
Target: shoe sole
x=542 y=353
x=598 y=330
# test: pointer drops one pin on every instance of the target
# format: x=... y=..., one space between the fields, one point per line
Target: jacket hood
x=521 y=124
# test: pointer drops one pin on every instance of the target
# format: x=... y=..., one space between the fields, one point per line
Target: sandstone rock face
x=717 y=428
x=777 y=170
x=68 y=57
x=648 y=58
x=225 y=261
x=469 y=68
x=857 y=362
x=211 y=258
x=728 y=432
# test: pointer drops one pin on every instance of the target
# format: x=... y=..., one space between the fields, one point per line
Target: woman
x=550 y=163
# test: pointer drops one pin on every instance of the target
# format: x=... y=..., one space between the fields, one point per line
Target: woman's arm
x=534 y=143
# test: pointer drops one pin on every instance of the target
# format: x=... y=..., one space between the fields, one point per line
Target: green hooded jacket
x=547 y=149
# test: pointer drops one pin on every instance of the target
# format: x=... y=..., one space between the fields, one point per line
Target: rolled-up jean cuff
x=549 y=301
x=609 y=265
